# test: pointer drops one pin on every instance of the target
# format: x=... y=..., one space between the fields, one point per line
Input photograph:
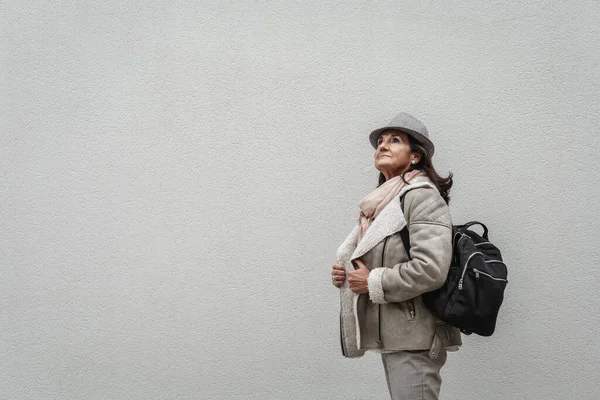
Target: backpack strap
x=405 y=239
x=404 y=231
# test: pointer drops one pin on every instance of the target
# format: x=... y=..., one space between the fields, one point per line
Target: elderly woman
x=381 y=285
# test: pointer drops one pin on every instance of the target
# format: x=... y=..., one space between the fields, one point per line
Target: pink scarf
x=374 y=202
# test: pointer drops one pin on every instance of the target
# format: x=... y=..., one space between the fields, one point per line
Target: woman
x=381 y=286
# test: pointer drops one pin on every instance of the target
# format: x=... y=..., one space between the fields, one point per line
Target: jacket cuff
x=375 y=286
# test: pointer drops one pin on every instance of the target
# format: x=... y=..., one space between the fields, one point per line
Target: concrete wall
x=176 y=176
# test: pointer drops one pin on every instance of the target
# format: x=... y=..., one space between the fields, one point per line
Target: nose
x=383 y=144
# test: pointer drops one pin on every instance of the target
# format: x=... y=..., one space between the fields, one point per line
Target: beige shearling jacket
x=392 y=316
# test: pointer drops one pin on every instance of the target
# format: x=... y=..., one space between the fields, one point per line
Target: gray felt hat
x=408 y=124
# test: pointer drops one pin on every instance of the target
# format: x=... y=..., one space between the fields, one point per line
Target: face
x=393 y=155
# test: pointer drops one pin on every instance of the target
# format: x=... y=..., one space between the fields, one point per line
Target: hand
x=357 y=279
x=338 y=275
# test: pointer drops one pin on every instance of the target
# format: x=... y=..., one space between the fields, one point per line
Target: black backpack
x=474 y=289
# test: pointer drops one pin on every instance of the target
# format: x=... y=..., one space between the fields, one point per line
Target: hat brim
x=424 y=140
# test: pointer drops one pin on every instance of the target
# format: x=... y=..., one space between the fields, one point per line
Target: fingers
x=355 y=275
x=338 y=270
x=338 y=275
x=358 y=280
x=337 y=282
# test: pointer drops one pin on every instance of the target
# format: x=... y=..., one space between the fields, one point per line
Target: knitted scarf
x=376 y=201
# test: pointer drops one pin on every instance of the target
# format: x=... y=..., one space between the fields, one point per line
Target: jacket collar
x=389 y=221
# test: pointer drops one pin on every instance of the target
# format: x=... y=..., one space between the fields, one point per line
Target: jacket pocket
x=411 y=311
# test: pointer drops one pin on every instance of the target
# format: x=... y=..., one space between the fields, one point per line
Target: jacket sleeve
x=430 y=233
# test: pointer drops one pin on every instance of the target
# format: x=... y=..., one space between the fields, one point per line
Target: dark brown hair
x=442 y=184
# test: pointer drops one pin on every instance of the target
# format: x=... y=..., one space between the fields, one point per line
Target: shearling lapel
x=389 y=221
x=344 y=252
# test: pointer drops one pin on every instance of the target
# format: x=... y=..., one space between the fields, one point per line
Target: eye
x=396 y=140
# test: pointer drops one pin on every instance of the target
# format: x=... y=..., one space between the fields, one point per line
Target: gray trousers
x=412 y=375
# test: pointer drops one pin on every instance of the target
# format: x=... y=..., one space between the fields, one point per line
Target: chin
x=379 y=164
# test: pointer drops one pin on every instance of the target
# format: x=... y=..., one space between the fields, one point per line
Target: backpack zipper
x=478 y=272
x=462 y=276
x=380 y=340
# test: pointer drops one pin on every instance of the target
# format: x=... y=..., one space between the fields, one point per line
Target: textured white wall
x=176 y=176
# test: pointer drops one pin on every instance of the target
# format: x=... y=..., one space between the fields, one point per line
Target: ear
x=416 y=157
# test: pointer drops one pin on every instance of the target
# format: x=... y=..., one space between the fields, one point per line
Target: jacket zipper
x=380 y=341
x=342 y=337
